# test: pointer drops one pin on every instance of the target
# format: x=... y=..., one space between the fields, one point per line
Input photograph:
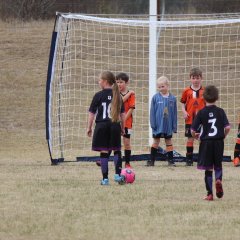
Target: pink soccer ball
x=129 y=175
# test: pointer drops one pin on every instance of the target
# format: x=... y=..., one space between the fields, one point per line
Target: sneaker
x=105 y=181
x=150 y=163
x=189 y=163
x=98 y=163
x=127 y=165
x=171 y=163
x=236 y=162
x=208 y=197
x=119 y=179
x=219 y=189
x=54 y=162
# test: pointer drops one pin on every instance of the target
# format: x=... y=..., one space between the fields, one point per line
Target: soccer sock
x=208 y=181
x=189 y=149
x=104 y=164
x=237 y=148
x=127 y=154
x=169 y=149
x=218 y=174
x=118 y=162
x=153 y=154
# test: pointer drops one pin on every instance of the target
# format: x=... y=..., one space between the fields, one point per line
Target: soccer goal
x=84 y=46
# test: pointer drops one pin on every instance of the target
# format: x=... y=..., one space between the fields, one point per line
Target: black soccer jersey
x=212 y=120
x=101 y=105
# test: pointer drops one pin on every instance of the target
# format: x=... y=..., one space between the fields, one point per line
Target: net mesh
x=88 y=45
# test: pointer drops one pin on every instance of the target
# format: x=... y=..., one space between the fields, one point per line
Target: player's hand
x=89 y=132
x=185 y=115
x=131 y=92
x=197 y=136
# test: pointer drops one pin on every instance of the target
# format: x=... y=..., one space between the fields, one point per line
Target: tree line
x=45 y=9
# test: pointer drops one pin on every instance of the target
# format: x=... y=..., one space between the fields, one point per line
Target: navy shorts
x=162 y=135
x=107 y=137
x=210 y=154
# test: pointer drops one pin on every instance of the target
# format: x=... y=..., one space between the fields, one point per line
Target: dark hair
x=195 y=72
x=117 y=99
x=210 y=94
x=122 y=76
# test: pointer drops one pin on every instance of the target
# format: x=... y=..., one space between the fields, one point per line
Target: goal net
x=84 y=46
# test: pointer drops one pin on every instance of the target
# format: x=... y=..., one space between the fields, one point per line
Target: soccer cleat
x=127 y=165
x=54 y=162
x=98 y=163
x=171 y=163
x=189 y=162
x=219 y=188
x=105 y=181
x=208 y=197
x=119 y=179
x=236 y=162
x=150 y=163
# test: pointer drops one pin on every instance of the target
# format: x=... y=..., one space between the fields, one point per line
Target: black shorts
x=127 y=132
x=210 y=154
x=107 y=137
x=162 y=135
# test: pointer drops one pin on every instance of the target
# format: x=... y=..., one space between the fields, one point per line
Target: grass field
x=38 y=201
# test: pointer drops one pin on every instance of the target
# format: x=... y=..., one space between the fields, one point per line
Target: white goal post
x=84 y=46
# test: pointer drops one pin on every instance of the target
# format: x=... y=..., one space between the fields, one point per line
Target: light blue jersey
x=163 y=114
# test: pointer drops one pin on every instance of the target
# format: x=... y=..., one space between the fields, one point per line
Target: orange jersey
x=193 y=101
x=129 y=103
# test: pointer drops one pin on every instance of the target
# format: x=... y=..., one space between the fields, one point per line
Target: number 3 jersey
x=101 y=105
x=212 y=121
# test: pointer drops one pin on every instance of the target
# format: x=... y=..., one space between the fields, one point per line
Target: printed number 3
x=106 y=110
x=213 y=127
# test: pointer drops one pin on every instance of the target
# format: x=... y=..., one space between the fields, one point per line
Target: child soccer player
x=214 y=128
x=107 y=108
x=236 y=161
x=192 y=101
x=129 y=106
x=163 y=120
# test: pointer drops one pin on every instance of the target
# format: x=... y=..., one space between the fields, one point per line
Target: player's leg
x=189 y=145
x=218 y=156
x=236 y=159
x=101 y=138
x=208 y=184
x=115 y=144
x=169 y=149
x=127 y=149
x=154 y=148
x=205 y=162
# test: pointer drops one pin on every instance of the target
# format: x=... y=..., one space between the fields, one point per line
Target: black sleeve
x=94 y=104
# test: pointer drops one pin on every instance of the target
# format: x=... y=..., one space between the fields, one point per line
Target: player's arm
x=129 y=113
x=175 y=116
x=185 y=113
x=91 y=117
x=126 y=97
x=226 y=130
x=195 y=126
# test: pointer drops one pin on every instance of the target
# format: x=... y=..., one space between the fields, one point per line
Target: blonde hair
x=163 y=80
x=117 y=99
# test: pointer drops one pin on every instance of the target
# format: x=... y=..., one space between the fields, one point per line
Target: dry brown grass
x=67 y=202
x=42 y=202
